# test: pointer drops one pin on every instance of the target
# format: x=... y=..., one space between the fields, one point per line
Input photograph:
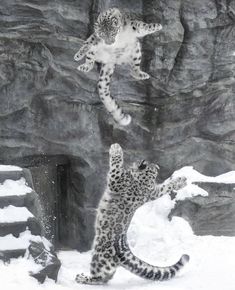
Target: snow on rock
x=194 y=176
x=10 y=242
x=10 y=168
x=11 y=214
x=14 y=187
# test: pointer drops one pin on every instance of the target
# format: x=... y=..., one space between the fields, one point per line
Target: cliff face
x=185 y=114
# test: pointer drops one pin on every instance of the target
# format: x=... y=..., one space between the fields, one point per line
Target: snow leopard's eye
x=142 y=165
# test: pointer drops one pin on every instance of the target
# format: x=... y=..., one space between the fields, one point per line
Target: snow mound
x=14 y=187
x=194 y=176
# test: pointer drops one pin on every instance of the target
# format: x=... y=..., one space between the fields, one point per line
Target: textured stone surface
x=214 y=215
x=50 y=264
x=185 y=114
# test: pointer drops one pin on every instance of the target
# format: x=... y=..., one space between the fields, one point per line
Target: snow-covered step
x=14 y=192
x=17 y=228
x=11 y=254
x=15 y=200
x=10 y=242
x=16 y=187
x=20 y=213
x=10 y=172
x=11 y=214
x=15 y=220
x=14 y=247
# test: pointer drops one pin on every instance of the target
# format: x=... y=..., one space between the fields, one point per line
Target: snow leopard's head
x=146 y=174
x=108 y=25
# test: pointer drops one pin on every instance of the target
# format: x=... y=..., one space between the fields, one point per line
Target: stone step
x=29 y=200
x=13 y=175
x=15 y=200
x=6 y=255
x=17 y=228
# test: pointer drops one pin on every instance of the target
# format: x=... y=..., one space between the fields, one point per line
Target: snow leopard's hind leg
x=83 y=279
x=132 y=263
x=92 y=280
x=87 y=50
x=136 y=72
x=102 y=268
x=110 y=104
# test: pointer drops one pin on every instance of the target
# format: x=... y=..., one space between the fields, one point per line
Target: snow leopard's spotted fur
x=115 y=41
x=127 y=190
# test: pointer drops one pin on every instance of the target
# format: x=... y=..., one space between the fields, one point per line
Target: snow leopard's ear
x=115 y=11
x=143 y=164
x=158 y=167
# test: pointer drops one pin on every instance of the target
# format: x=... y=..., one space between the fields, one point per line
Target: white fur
x=120 y=52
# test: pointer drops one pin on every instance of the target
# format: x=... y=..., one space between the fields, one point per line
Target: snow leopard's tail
x=110 y=104
x=129 y=261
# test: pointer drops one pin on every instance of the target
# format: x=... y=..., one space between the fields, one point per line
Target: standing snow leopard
x=115 y=41
x=126 y=191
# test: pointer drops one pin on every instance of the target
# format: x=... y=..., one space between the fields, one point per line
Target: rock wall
x=214 y=215
x=185 y=114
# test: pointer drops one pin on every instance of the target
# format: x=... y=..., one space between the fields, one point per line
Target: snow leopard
x=127 y=189
x=115 y=41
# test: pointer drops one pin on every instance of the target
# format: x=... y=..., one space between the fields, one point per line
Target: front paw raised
x=179 y=183
x=115 y=149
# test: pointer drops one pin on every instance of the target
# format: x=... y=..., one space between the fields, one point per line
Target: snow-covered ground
x=156 y=240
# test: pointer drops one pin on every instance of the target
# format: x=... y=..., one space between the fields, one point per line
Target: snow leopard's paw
x=115 y=149
x=85 y=67
x=81 y=278
x=81 y=53
x=179 y=183
x=140 y=75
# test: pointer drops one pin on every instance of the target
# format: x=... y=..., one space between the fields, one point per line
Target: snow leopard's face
x=108 y=25
x=146 y=174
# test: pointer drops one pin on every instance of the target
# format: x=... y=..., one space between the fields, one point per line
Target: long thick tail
x=129 y=261
x=110 y=104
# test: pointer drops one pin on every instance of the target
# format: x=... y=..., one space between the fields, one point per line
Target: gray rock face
x=47 y=259
x=214 y=215
x=185 y=114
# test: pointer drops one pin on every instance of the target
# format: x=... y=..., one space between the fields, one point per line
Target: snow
x=14 y=187
x=10 y=168
x=10 y=242
x=194 y=176
x=155 y=239
x=11 y=214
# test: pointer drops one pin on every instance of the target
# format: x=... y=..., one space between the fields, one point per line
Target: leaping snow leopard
x=127 y=190
x=115 y=41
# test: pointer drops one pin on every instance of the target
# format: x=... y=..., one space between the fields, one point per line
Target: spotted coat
x=126 y=191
